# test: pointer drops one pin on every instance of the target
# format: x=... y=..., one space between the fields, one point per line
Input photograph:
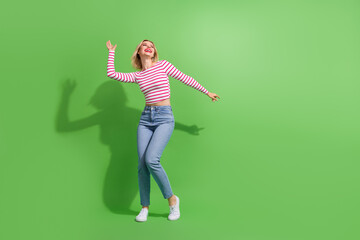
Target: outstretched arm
x=122 y=77
x=172 y=71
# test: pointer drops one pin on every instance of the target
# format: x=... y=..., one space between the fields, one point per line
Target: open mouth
x=148 y=50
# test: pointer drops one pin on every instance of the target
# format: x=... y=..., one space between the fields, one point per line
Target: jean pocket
x=165 y=111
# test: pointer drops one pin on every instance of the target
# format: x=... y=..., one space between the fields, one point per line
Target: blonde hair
x=136 y=60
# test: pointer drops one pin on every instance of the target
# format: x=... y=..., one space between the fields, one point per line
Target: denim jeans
x=153 y=133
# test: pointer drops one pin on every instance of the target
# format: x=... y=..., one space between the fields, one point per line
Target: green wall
x=275 y=158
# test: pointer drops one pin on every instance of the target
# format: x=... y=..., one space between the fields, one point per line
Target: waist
x=165 y=102
x=157 y=107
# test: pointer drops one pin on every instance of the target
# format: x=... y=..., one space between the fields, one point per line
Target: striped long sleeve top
x=154 y=81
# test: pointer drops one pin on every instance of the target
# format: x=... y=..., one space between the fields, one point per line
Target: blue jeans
x=153 y=133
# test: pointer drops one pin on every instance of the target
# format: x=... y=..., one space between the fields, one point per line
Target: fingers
x=110 y=46
x=214 y=98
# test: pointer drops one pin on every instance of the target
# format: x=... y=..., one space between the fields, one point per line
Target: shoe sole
x=174 y=219
x=141 y=220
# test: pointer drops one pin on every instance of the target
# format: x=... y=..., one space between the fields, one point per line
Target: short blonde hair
x=136 y=60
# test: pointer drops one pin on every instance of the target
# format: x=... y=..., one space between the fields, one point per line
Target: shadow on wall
x=118 y=125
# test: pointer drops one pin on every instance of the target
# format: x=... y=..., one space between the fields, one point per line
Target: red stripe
x=153 y=82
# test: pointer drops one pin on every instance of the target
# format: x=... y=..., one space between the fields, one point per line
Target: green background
x=276 y=157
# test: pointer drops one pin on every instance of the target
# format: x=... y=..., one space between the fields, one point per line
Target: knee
x=151 y=160
x=141 y=165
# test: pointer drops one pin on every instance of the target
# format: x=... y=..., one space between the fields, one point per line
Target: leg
x=172 y=200
x=144 y=135
x=159 y=140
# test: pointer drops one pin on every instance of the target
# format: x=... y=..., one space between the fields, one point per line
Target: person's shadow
x=118 y=125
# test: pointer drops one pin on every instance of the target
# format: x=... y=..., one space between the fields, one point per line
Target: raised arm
x=172 y=71
x=122 y=77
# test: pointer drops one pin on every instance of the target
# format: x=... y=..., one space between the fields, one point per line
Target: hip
x=156 y=115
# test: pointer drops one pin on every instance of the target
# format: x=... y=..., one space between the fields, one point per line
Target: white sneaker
x=175 y=210
x=142 y=216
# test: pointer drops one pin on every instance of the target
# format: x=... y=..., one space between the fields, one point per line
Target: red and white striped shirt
x=154 y=81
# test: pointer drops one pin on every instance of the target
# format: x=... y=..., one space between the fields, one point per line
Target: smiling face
x=146 y=49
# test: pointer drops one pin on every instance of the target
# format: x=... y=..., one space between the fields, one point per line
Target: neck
x=146 y=63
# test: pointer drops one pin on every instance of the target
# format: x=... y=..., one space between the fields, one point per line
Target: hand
x=213 y=96
x=194 y=130
x=68 y=86
x=109 y=46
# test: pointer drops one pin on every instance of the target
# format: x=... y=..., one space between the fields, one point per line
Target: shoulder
x=162 y=63
x=165 y=62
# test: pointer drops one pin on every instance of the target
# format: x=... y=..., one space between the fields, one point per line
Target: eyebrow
x=150 y=44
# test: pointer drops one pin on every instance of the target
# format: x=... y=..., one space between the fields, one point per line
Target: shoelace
x=143 y=211
x=173 y=210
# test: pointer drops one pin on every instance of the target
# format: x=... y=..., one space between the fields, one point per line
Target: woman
x=157 y=120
